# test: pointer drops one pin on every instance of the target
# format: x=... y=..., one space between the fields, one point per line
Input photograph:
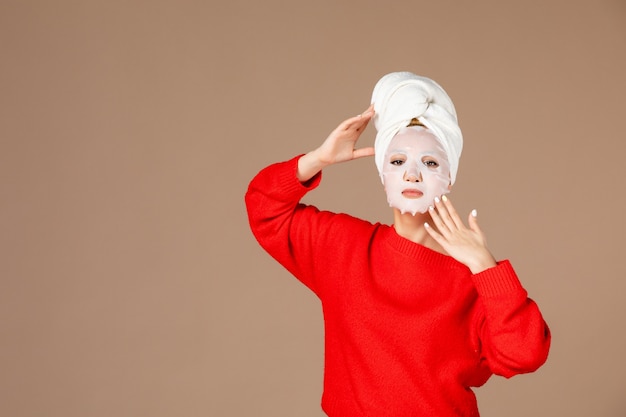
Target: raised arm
x=295 y=234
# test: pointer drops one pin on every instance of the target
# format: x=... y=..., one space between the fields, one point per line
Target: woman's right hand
x=339 y=146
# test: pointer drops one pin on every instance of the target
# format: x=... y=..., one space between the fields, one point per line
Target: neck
x=412 y=228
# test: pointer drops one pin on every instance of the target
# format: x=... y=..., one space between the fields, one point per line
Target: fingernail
x=436 y=199
x=426 y=225
x=474 y=213
x=431 y=208
x=444 y=198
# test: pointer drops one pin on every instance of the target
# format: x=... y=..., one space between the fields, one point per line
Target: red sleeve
x=514 y=337
x=291 y=232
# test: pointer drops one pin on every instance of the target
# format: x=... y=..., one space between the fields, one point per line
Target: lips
x=412 y=193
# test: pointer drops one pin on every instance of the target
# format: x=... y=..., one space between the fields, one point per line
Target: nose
x=412 y=175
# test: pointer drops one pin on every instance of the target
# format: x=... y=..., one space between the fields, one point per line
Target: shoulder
x=347 y=223
x=345 y=230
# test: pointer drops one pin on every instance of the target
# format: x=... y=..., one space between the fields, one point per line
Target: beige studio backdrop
x=130 y=284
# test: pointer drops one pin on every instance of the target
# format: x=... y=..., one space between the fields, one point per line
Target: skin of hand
x=339 y=146
x=465 y=244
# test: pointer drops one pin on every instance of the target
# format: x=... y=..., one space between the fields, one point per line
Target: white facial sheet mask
x=415 y=170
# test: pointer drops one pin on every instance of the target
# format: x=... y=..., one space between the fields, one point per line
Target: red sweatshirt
x=408 y=331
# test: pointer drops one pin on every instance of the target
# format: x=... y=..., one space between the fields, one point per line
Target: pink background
x=130 y=284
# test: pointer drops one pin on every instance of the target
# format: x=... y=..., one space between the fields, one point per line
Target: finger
x=452 y=212
x=433 y=233
x=363 y=152
x=351 y=122
x=443 y=213
x=370 y=109
x=367 y=113
x=473 y=222
x=361 y=120
x=364 y=121
x=438 y=221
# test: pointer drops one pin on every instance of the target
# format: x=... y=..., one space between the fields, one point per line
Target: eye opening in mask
x=397 y=159
x=430 y=162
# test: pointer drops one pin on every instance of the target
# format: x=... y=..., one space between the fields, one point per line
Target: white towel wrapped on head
x=398 y=98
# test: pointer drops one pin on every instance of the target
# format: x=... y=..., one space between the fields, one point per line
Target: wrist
x=309 y=165
x=482 y=264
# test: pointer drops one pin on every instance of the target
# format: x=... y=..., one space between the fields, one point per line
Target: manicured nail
x=430 y=208
x=474 y=213
x=436 y=199
x=444 y=198
x=426 y=225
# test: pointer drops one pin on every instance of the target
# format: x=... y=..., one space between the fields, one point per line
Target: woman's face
x=415 y=171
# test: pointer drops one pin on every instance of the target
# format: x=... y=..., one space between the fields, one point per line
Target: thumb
x=473 y=221
x=363 y=152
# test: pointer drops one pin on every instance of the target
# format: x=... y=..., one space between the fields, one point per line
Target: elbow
x=526 y=358
x=540 y=351
x=533 y=360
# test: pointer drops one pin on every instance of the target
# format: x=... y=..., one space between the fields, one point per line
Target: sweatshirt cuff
x=497 y=281
x=288 y=182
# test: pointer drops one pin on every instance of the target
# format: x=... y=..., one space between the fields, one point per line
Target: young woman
x=417 y=313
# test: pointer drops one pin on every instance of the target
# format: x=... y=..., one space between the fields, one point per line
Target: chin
x=409 y=212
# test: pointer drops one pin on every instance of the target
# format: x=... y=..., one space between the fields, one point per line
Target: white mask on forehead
x=415 y=170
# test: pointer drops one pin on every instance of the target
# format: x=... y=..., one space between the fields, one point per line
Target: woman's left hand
x=466 y=245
